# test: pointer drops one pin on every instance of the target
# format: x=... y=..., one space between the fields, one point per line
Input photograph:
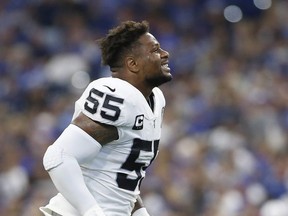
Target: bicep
x=102 y=133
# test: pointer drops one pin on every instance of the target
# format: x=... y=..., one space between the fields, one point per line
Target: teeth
x=166 y=66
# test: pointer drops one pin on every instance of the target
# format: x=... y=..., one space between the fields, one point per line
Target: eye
x=156 y=50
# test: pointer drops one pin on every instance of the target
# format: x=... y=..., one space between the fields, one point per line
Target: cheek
x=151 y=64
x=154 y=62
x=153 y=58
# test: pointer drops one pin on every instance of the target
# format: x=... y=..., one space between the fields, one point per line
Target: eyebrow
x=155 y=45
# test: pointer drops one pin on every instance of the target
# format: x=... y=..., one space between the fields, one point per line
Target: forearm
x=62 y=160
x=138 y=204
x=69 y=181
x=139 y=208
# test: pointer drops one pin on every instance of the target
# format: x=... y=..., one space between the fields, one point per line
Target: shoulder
x=110 y=101
x=116 y=83
x=114 y=86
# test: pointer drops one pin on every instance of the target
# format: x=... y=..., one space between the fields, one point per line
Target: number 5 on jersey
x=109 y=109
x=133 y=165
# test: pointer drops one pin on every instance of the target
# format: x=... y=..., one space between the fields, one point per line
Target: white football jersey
x=115 y=174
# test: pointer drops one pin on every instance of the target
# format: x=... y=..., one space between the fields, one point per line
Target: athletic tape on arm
x=74 y=142
x=62 y=160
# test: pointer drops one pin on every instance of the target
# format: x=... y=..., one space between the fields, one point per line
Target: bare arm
x=139 y=204
x=100 y=132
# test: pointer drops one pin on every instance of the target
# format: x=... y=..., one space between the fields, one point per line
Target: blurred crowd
x=224 y=147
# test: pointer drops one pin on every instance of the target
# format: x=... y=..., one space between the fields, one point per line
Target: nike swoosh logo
x=111 y=89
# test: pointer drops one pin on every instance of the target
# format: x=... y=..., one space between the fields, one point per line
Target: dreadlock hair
x=120 y=41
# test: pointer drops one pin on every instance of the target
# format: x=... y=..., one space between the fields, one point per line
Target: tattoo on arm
x=102 y=133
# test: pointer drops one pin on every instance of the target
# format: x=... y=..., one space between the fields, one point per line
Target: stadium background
x=224 y=145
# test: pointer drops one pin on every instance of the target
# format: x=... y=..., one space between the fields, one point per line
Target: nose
x=164 y=53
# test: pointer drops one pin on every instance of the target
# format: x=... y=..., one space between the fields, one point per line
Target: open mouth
x=165 y=67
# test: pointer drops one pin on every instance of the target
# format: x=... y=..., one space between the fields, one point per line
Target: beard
x=159 y=80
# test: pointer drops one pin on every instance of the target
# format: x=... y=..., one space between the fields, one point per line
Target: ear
x=132 y=64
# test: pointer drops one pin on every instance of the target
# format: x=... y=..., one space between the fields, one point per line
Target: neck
x=135 y=81
x=144 y=90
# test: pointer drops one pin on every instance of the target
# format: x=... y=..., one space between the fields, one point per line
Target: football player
x=98 y=162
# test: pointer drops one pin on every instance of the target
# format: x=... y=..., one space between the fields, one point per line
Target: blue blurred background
x=224 y=144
